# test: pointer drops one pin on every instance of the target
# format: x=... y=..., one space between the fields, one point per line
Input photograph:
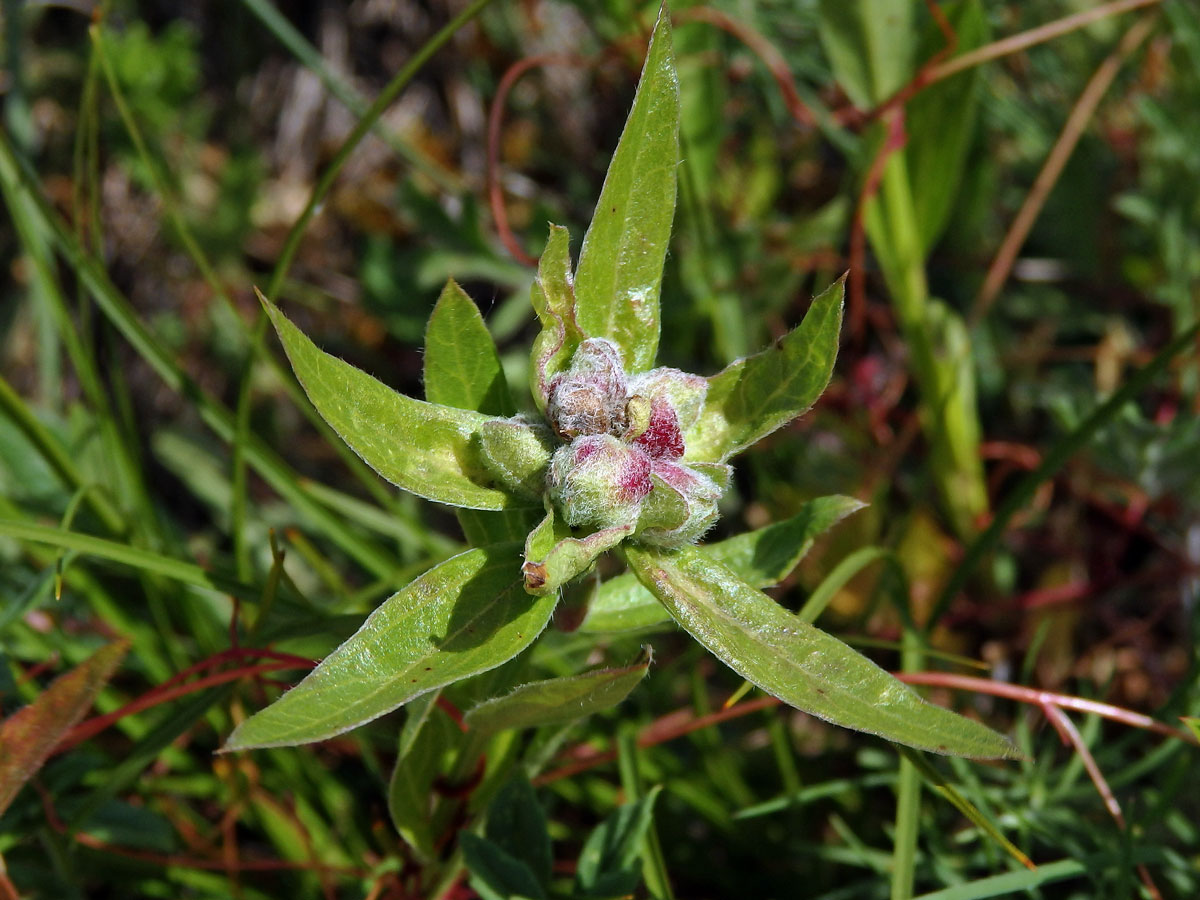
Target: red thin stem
x=1034 y=36
x=1085 y=107
x=1070 y=735
x=770 y=57
x=923 y=77
x=677 y=725
x=1035 y=697
x=172 y=689
x=494 y=130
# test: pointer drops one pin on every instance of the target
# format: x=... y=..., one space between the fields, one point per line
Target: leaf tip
x=852 y=505
x=1013 y=752
x=1001 y=748
x=240 y=741
x=234 y=743
x=272 y=311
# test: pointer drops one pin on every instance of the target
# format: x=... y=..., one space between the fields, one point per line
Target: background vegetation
x=1019 y=210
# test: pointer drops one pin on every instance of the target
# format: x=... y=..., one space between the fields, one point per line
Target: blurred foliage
x=1092 y=591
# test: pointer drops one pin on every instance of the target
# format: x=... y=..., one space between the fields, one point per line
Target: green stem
x=654 y=864
x=241 y=433
x=907 y=281
x=944 y=378
x=908 y=798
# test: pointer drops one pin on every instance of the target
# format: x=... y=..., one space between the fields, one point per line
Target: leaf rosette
x=619 y=456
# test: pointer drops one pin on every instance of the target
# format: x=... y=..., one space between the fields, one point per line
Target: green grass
x=1029 y=464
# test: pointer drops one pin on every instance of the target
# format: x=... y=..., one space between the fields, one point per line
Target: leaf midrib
x=380 y=686
x=745 y=426
x=684 y=598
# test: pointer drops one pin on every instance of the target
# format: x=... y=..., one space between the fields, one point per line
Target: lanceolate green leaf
x=557 y=699
x=940 y=122
x=621 y=263
x=428 y=739
x=760 y=558
x=553 y=298
x=462 y=368
x=800 y=664
x=465 y=616
x=870 y=44
x=752 y=397
x=422 y=447
x=609 y=864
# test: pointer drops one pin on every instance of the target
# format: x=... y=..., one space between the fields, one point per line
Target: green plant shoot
x=619 y=457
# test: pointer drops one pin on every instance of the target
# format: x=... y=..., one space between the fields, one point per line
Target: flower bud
x=598 y=481
x=621 y=466
x=692 y=494
x=589 y=397
x=661 y=438
x=684 y=392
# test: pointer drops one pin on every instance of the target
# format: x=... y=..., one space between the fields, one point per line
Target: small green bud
x=516 y=452
x=553 y=558
x=684 y=490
